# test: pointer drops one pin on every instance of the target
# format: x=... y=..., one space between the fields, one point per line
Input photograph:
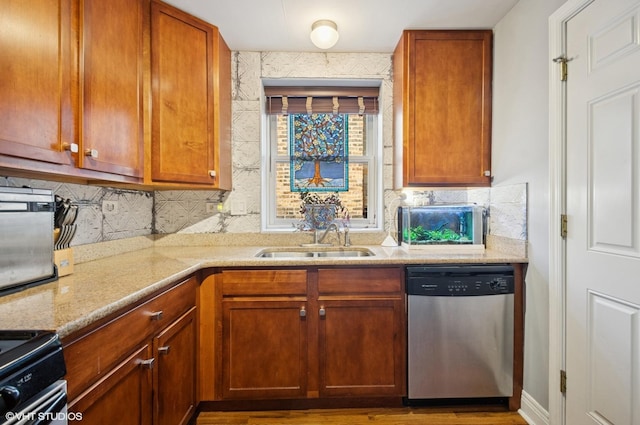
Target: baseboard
x=300 y=404
x=532 y=411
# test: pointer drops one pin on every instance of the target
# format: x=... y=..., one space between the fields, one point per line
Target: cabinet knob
x=156 y=315
x=303 y=312
x=93 y=153
x=164 y=350
x=212 y=173
x=487 y=173
x=72 y=147
x=322 y=311
x=147 y=364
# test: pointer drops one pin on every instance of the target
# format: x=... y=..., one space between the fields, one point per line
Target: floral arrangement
x=320 y=212
x=312 y=198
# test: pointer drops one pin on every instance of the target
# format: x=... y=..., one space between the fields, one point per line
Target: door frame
x=557 y=202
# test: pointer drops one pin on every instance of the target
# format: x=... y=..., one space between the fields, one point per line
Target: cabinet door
x=175 y=349
x=448 y=107
x=361 y=347
x=36 y=70
x=182 y=148
x=111 y=46
x=264 y=347
x=124 y=396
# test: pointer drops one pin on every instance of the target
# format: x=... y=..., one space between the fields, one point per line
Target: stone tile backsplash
x=143 y=213
x=180 y=211
x=134 y=216
x=508 y=212
x=177 y=210
x=506 y=206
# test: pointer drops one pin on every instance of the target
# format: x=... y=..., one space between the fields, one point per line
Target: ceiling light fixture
x=324 y=34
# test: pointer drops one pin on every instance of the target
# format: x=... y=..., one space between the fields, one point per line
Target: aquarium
x=437 y=225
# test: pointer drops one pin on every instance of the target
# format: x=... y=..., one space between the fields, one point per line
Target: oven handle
x=47 y=407
x=57 y=405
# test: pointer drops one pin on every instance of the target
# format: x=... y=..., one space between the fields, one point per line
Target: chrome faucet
x=333 y=226
x=347 y=240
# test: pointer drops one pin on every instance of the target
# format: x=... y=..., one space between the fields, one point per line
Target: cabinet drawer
x=92 y=355
x=264 y=282
x=360 y=281
x=171 y=304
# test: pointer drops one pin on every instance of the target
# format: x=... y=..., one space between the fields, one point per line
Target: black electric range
x=30 y=361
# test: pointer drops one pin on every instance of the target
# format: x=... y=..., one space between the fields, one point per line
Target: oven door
x=48 y=407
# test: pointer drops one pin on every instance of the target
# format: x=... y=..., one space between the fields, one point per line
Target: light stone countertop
x=100 y=287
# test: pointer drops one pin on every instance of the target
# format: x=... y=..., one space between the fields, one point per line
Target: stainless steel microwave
x=26 y=238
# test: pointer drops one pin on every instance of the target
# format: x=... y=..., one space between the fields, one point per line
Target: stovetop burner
x=29 y=362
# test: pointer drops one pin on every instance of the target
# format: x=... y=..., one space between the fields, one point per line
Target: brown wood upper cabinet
x=35 y=85
x=191 y=101
x=111 y=45
x=114 y=95
x=75 y=101
x=442 y=108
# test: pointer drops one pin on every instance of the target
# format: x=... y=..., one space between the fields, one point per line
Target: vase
x=319 y=216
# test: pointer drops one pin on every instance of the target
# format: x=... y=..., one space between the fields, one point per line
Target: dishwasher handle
x=458 y=270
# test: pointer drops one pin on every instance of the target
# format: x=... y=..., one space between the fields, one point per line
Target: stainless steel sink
x=314 y=252
x=277 y=254
x=345 y=253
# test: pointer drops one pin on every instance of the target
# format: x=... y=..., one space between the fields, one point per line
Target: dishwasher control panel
x=461 y=280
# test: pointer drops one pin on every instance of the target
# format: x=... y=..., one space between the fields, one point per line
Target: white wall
x=521 y=154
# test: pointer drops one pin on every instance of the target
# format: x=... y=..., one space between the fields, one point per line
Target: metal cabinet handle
x=164 y=350
x=156 y=315
x=147 y=364
x=212 y=173
x=322 y=311
x=93 y=153
x=303 y=312
x=73 y=147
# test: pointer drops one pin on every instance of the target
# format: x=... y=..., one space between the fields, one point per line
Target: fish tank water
x=437 y=225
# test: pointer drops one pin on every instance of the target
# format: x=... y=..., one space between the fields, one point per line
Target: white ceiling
x=364 y=25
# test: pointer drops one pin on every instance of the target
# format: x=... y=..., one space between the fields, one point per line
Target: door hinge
x=563 y=381
x=562 y=60
x=563 y=226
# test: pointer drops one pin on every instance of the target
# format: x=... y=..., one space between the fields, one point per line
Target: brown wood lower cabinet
x=138 y=367
x=311 y=333
x=175 y=372
x=360 y=353
x=361 y=339
x=123 y=396
x=265 y=349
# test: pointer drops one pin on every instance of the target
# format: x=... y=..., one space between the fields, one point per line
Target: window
x=348 y=160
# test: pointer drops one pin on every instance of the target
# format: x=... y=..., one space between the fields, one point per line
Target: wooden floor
x=395 y=416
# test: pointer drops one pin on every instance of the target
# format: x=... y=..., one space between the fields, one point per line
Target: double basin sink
x=314 y=252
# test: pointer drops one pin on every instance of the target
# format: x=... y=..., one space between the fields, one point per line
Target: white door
x=603 y=209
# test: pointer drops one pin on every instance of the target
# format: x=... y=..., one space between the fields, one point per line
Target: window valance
x=307 y=100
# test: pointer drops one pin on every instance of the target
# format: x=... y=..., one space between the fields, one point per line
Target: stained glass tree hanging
x=319 y=152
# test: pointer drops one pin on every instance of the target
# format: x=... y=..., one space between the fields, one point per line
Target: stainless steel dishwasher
x=460 y=337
